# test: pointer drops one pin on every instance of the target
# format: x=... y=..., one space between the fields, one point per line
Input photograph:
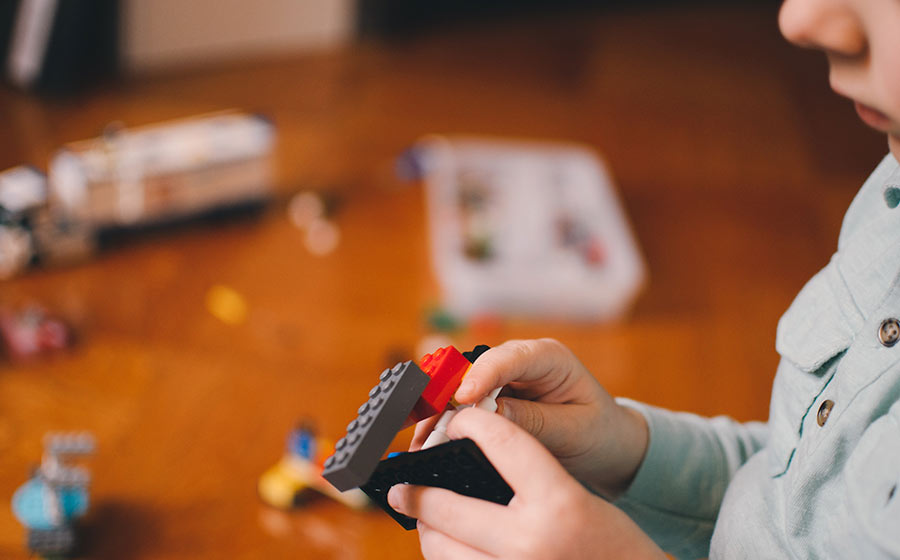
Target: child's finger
x=468 y=519
x=552 y=424
x=521 y=460
x=438 y=546
x=515 y=360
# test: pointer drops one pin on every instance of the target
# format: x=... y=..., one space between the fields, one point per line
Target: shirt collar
x=868 y=259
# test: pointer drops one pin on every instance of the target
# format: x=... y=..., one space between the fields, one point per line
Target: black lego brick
x=457 y=465
x=371 y=432
x=474 y=353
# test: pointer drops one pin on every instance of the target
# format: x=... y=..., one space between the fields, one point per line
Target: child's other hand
x=550 y=517
x=555 y=398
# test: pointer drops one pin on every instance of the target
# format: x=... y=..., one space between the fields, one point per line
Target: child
x=819 y=480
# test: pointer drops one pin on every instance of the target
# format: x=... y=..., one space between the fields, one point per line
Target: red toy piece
x=32 y=332
x=446 y=367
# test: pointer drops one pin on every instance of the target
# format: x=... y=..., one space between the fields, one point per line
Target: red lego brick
x=446 y=367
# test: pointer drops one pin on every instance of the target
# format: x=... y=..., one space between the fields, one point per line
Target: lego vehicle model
x=55 y=496
x=287 y=484
x=129 y=180
x=162 y=173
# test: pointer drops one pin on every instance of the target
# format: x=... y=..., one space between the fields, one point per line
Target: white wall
x=169 y=33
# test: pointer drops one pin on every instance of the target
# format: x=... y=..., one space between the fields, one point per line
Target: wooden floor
x=733 y=158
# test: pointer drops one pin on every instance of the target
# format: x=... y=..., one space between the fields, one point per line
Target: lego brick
x=457 y=465
x=69 y=443
x=474 y=353
x=371 y=432
x=446 y=367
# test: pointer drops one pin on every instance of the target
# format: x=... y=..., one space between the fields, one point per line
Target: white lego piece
x=439 y=434
x=489 y=402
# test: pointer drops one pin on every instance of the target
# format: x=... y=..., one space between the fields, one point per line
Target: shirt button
x=889 y=333
x=824 y=411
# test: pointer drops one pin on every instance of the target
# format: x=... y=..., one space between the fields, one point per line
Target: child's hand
x=552 y=396
x=550 y=517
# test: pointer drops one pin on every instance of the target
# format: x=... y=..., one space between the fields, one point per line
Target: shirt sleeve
x=676 y=494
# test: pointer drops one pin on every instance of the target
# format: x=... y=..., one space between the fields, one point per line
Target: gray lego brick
x=69 y=443
x=371 y=432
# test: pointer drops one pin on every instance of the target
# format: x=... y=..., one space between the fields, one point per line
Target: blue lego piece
x=55 y=496
x=30 y=504
x=302 y=443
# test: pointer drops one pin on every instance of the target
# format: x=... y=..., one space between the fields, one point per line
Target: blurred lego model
x=404 y=395
x=130 y=180
x=525 y=228
x=55 y=496
x=31 y=332
x=285 y=484
x=23 y=197
x=155 y=175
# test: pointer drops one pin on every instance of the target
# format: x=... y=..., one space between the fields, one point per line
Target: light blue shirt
x=819 y=479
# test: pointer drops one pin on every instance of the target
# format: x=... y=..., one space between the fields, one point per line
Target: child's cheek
x=892 y=80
